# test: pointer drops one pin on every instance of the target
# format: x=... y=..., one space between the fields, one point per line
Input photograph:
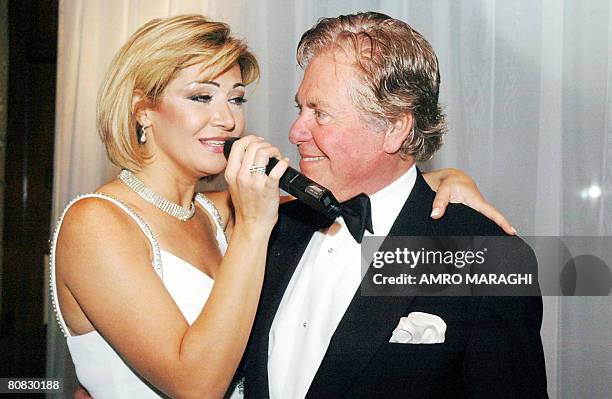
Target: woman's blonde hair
x=149 y=60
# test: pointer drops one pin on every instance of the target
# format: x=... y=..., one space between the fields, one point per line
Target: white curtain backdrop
x=527 y=86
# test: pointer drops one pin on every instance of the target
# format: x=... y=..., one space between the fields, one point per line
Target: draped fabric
x=526 y=85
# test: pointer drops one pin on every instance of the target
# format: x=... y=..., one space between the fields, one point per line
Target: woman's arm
x=452 y=185
x=106 y=267
x=110 y=276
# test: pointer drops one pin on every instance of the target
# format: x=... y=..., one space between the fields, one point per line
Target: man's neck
x=381 y=178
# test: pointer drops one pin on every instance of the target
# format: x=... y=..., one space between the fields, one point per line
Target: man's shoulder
x=507 y=255
x=463 y=220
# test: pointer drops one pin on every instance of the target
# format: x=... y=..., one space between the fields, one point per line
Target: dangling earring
x=142 y=132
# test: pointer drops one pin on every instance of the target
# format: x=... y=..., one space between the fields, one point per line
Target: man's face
x=337 y=148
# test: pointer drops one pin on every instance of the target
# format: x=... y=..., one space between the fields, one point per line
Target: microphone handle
x=307 y=191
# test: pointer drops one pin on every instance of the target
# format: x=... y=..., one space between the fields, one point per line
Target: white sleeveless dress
x=98 y=367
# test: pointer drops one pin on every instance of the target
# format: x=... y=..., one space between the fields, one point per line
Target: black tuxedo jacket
x=492 y=347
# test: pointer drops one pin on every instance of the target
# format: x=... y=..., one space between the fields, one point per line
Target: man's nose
x=299 y=131
x=223 y=117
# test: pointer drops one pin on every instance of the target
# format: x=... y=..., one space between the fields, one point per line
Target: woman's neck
x=170 y=183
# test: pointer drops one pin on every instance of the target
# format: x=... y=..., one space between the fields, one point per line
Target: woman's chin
x=212 y=169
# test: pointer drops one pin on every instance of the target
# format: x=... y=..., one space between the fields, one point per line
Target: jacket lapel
x=369 y=320
x=295 y=227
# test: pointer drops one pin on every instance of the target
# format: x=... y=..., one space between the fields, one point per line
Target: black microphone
x=301 y=187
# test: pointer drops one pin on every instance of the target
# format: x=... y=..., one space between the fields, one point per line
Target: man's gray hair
x=398 y=73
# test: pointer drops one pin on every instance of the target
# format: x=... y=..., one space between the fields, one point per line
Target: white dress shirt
x=319 y=293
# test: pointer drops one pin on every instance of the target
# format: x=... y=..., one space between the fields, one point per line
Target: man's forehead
x=332 y=63
x=324 y=73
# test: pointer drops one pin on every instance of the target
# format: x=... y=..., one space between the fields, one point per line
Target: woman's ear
x=398 y=133
x=140 y=106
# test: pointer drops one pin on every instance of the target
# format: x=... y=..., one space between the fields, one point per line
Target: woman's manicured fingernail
x=513 y=230
x=435 y=212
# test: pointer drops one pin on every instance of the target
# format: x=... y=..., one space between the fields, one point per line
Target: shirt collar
x=388 y=202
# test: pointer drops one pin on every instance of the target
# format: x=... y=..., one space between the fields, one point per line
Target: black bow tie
x=357 y=214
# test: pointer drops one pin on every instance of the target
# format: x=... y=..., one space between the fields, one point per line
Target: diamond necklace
x=155 y=199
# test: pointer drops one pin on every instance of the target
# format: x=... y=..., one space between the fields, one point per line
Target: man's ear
x=140 y=106
x=398 y=133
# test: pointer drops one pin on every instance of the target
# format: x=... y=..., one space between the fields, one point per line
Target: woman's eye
x=238 y=100
x=202 y=98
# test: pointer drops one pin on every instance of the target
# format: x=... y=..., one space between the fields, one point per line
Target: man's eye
x=202 y=98
x=238 y=100
x=320 y=114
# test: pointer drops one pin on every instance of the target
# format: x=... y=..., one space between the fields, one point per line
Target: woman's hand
x=255 y=195
x=452 y=185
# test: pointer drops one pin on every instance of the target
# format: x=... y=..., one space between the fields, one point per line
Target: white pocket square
x=419 y=328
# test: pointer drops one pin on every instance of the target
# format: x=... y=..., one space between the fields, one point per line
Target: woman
x=132 y=266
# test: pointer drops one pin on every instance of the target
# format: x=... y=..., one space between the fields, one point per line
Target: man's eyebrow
x=314 y=102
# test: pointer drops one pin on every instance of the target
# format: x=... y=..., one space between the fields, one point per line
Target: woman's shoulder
x=92 y=215
x=100 y=215
x=95 y=233
x=87 y=207
x=102 y=202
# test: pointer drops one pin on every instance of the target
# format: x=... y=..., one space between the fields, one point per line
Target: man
x=368 y=110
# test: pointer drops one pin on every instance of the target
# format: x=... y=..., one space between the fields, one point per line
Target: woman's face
x=194 y=118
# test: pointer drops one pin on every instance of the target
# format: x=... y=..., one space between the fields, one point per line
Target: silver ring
x=257 y=169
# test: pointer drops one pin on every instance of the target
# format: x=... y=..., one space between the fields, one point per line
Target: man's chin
x=310 y=172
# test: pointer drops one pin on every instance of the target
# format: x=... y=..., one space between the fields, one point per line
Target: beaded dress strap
x=212 y=209
x=157 y=264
